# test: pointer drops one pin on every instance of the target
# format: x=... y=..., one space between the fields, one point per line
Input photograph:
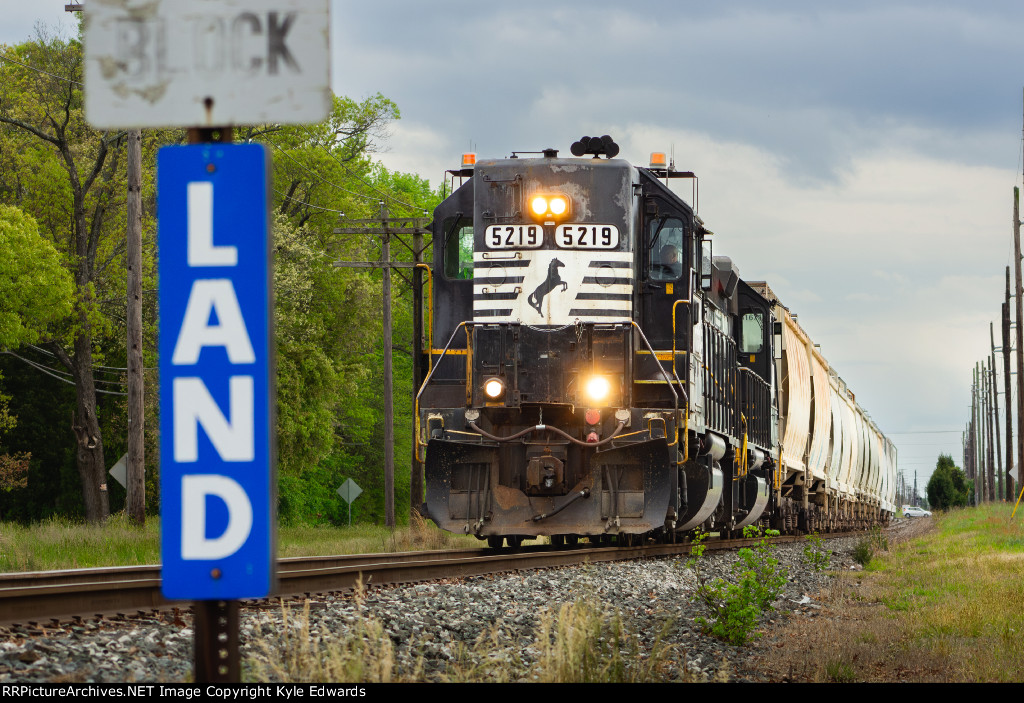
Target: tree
x=35 y=290
x=948 y=487
x=35 y=293
x=75 y=180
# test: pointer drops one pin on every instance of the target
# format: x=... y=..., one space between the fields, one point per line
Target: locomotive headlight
x=544 y=207
x=597 y=388
x=494 y=388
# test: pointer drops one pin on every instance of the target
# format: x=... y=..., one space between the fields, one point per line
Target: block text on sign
x=187 y=63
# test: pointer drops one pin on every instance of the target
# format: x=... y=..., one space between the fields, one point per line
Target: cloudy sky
x=860 y=157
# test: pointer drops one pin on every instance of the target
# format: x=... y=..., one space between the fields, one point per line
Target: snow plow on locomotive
x=591 y=369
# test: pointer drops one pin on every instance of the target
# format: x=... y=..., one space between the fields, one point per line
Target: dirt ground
x=846 y=635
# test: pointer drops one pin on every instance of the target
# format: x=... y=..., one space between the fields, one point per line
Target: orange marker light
x=469 y=160
x=658 y=159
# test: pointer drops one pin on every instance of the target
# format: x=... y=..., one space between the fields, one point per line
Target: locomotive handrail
x=541 y=428
x=675 y=396
x=430 y=316
x=426 y=381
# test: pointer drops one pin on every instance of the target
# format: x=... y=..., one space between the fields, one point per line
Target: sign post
x=207 y=65
x=349 y=491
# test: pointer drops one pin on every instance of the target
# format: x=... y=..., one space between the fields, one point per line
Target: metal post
x=215 y=633
x=217 y=658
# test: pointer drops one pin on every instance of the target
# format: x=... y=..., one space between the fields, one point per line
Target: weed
x=363 y=654
x=815 y=553
x=863 y=552
x=840 y=672
x=734 y=608
x=874 y=542
x=584 y=642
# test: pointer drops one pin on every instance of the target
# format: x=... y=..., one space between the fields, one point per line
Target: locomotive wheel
x=557 y=540
x=572 y=540
x=495 y=541
x=514 y=541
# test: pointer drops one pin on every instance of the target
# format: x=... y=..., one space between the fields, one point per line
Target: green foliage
x=948 y=487
x=327 y=320
x=35 y=290
x=816 y=554
x=735 y=607
x=35 y=293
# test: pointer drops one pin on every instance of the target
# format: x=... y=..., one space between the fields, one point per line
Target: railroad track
x=48 y=598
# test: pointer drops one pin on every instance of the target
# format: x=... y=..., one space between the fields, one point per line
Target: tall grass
x=58 y=543
x=945 y=606
x=580 y=642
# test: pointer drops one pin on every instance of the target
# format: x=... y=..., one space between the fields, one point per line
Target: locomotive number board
x=576 y=236
x=587 y=236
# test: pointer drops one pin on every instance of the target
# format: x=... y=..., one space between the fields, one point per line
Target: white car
x=916 y=512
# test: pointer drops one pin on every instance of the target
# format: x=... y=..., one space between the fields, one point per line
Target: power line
x=342 y=212
x=53 y=373
x=321 y=178
x=341 y=163
x=39 y=70
x=94 y=366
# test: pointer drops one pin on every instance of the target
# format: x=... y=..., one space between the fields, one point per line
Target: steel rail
x=48 y=598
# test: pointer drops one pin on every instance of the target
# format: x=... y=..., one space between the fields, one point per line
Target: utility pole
x=136 y=468
x=416 y=481
x=1020 y=314
x=974 y=433
x=1006 y=385
x=384 y=227
x=994 y=392
x=990 y=463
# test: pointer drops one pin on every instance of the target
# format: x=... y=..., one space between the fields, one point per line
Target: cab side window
x=458 y=248
x=665 y=243
x=752 y=333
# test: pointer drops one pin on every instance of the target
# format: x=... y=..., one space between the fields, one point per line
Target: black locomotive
x=591 y=369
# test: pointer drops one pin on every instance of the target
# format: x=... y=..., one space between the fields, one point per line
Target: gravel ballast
x=427 y=622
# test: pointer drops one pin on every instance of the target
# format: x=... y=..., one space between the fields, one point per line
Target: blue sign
x=216 y=454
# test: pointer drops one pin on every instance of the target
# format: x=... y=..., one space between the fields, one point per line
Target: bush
x=866 y=548
x=734 y=608
x=815 y=554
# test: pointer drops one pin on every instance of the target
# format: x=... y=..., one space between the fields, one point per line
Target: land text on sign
x=216 y=461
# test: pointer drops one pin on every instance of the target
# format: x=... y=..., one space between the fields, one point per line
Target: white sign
x=206 y=63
